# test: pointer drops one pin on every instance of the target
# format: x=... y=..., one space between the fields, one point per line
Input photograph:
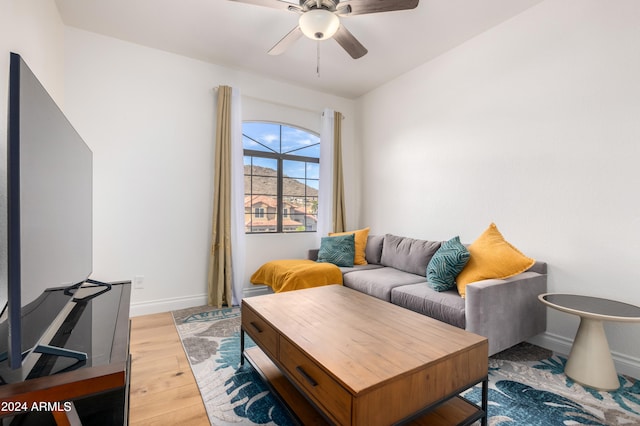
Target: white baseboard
x=625 y=364
x=256 y=291
x=166 y=305
x=172 y=304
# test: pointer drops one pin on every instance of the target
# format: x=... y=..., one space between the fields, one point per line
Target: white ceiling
x=238 y=35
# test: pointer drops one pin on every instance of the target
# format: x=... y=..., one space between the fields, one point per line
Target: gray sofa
x=506 y=311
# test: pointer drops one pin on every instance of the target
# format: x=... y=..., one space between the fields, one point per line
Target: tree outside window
x=281 y=177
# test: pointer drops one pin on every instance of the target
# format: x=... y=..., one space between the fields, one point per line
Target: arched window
x=281 y=176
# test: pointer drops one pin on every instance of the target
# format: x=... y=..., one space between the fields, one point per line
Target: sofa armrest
x=313 y=254
x=507 y=311
x=539 y=267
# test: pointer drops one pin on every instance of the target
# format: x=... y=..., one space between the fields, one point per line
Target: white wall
x=33 y=29
x=149 y=118
x=535 y=125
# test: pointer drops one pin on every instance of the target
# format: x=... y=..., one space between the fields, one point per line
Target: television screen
x=48 y=212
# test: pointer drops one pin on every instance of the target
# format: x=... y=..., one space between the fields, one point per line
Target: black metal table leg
x=241 y=346
x=485 y=401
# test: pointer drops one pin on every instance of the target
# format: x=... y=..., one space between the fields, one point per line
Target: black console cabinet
x=61 y=390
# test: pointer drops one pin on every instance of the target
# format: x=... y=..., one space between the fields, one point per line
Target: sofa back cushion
x=408 y=254
x=373 y=250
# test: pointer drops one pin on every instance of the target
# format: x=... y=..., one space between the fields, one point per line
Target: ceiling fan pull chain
x=318 y=59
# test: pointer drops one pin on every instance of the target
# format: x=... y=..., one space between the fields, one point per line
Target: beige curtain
x=220 y=278
x=339 y=220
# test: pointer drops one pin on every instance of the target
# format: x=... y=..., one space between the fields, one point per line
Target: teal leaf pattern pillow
x=446 y=264
x=339 y=250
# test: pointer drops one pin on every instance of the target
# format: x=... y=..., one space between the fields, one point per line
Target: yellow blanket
x=295 y=274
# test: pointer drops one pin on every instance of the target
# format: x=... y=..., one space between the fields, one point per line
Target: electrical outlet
x=138 y=282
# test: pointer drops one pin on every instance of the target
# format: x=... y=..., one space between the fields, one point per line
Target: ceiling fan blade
x=274 y=4
x=286 y=41
x=349 y=43
x=361 y=7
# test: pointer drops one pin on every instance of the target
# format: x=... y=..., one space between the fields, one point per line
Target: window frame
x=280 y=159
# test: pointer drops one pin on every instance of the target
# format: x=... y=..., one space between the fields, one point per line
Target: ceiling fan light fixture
x=319 y=24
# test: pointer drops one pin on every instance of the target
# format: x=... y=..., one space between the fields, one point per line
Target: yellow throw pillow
x=492 y=257
x=361 y=243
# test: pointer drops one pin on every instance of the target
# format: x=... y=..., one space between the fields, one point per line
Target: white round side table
x=590 y=362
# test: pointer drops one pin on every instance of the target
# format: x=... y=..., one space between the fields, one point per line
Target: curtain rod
x=282 y=104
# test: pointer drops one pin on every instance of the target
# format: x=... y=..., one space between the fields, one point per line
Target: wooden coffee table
x=362 y=361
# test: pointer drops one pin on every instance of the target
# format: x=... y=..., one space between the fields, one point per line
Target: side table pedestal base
x=590 y=362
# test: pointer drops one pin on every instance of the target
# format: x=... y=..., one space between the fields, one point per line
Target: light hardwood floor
x=163 y=390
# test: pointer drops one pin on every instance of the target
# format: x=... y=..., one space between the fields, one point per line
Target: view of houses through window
x=281 y=176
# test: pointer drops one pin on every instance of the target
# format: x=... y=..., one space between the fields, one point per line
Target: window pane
x=313 y=171
x=261 y=136
x=261 y=194
x=303 y=223
x=260 y=218
x=260 y=176
x=299 y=140
x=264 y=186
x=312 y=210
x=293 y=188
x=265 y=163
x=311 y=151
x=248 y=143
x=294 y=169
x=315 y=185
x=295 y=223
x=260 y=225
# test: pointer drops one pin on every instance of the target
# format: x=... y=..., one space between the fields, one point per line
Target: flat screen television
x=47 y=196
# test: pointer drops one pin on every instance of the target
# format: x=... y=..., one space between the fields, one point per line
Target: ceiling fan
x=320 y=19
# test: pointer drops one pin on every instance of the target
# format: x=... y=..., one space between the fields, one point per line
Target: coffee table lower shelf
x=456 y=411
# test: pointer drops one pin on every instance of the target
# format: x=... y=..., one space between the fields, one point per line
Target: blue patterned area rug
x=527 y=385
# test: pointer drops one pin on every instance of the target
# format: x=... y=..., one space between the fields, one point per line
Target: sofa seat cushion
x=446 y=306
x=356 y=268
x=379 y=282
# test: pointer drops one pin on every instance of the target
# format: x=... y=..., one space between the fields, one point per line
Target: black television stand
x=63 y=390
